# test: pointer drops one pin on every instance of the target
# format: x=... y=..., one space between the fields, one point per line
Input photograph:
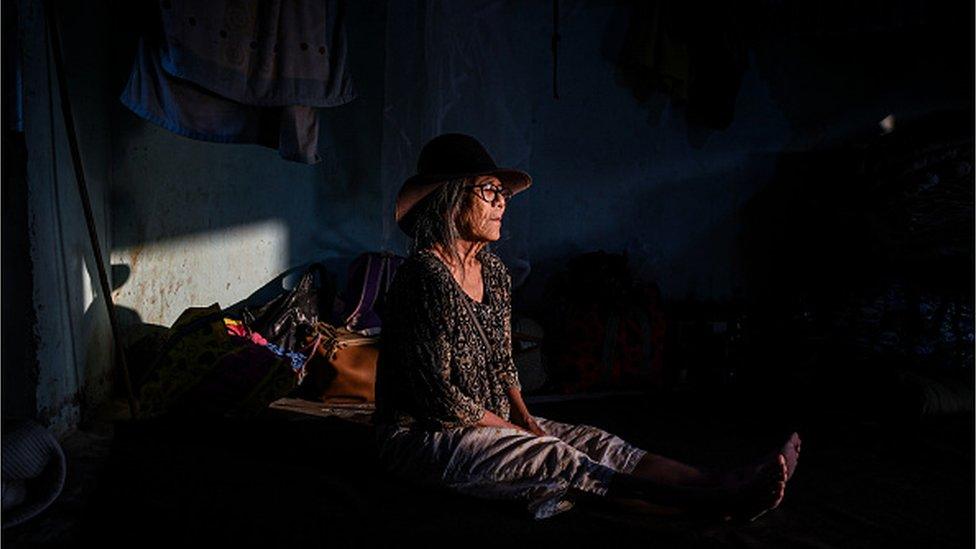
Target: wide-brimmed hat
x=446 y=157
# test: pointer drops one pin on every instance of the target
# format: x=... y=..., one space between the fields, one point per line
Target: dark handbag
x=287 y=320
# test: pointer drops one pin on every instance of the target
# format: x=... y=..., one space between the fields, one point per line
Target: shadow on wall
x=686 y=244
x=859 y=264
x=819 y=60
x=880 y=208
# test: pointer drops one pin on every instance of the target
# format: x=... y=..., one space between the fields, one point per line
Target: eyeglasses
x=489 y=192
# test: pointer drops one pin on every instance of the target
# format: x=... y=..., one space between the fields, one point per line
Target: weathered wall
x=200 y=222
x=74 y=354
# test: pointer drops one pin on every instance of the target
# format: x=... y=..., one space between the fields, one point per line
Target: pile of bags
x=305 y=342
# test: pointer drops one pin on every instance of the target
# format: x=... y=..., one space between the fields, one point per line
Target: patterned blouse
x=434 y=370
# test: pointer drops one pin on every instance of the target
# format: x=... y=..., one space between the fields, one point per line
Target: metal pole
x=54 y=31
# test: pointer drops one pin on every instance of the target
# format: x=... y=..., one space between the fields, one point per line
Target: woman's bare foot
x=764 y=493
x=790 y=452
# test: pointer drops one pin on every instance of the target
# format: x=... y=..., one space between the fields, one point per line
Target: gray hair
x=438 y=219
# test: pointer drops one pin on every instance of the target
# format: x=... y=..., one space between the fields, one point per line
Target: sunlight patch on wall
x=223 y=266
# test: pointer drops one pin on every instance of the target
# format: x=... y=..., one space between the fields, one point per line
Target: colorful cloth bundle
x=201 y=368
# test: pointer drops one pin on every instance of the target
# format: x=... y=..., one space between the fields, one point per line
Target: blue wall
x=200 y=222
x=192 y=223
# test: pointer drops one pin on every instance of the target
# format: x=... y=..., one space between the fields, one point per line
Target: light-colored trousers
x=497 y=463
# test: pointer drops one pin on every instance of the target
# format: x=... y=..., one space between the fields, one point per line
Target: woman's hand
x=520 y=414
x=533 y=427
x=525 y=423
x=491 y=420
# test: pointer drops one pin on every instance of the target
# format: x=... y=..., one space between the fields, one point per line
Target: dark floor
x=289 y=479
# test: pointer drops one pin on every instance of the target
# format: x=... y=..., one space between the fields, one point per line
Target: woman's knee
x=513 y=457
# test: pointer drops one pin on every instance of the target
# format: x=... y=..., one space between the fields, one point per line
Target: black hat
x=451 y=156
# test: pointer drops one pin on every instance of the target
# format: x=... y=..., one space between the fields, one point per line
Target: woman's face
x=482 y=220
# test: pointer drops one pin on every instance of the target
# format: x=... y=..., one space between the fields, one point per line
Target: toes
x=791 y=450
x=794 y=440
x=780 y=493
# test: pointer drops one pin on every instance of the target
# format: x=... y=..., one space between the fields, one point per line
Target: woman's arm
x=519 y=414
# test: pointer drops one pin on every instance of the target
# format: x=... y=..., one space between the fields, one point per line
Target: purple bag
x=370 y=276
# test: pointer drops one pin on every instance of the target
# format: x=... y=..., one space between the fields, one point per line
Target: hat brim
x=418 y=187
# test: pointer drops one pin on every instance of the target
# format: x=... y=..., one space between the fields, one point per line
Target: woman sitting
x=449 y=408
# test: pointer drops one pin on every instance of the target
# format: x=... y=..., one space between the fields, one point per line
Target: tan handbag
x=343 y=368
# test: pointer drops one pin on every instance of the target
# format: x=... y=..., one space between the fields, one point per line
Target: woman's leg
x=496 y=463
x=653 y=483
x=669 y=471
x=613 y=452
x=763 y=492
x=665 y=470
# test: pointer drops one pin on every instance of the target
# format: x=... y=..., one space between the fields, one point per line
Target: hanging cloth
x=189 y=110
x=243 y=72
x=693 y=51
x=270 y=52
